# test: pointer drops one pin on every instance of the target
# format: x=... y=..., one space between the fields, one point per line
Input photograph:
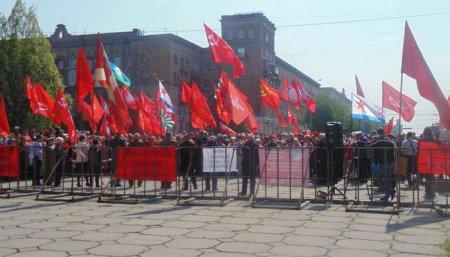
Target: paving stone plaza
x=162 y=228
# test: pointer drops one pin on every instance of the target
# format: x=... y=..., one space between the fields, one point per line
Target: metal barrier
x=291 y=177
x=214 y=173
x=141 y=173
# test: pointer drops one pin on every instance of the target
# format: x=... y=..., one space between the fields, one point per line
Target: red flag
x=4 y=125
x=97 y=110
x=236 y=101
x=222 y=111
x=223 y=53
x=304 y=97
x=291 y=117
x=433 y=158
x=359 y=90
x=389 y=125
x=150 y=109
x=225 y=129
x=100 y=74
x=391 y=100
x=110 y=121
x=280 y=119
x=85 y=82
x=104 y=77
x=414 y=65
x=199 y=106
x=104 y=128
x=290 y=95
x=196 y=122
x=269 y=95
x=293 y=121
x=45 y=102
x=28 y=88
x=185 y=93
x=61 y=115
x=129 y=98
x=251 y=123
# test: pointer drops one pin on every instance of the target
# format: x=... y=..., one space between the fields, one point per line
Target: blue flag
x=119 y=75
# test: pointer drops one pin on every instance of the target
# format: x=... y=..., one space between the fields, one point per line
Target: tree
x=329 y=109
x=25 y=50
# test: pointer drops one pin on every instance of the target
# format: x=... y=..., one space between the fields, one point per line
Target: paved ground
x=88 y=228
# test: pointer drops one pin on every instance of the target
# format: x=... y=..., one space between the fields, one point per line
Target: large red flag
x=269 y=95
x=85 y=82
x=304 y=97
x=290 y=95
x=391 y=100
x=61 y=115
x=221 y=109
x=199 y=106
x=196 y=122
x=185 y=93
x=389 y=125
x=223 y=53
x=4 y=125
x=359 y=90
x=414 y=65
x=31 y=95
x=236 y=101
x=105 y=77
x=45 y=102
x=251 y=123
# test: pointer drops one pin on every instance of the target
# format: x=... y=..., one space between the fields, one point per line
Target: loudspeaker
x=333 y=134
x=335 y=144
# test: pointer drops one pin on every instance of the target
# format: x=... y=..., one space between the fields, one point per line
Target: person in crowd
x=23 y=157
x=384 y=154
x=211 y=176
x=429 y=178
x=49 y=161
x=186 y=152
x=59 y=153
x=361 y=157
x=81 y=160
x=94 y=162
x=116 y=141
x=136 y=142
x=250 y=162
x=409 y=149
x=35 y=160
x=168 y=141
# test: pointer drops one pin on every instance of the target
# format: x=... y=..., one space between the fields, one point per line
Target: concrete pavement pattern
x=87 y=228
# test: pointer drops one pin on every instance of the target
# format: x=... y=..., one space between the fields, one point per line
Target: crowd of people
x=49 y=156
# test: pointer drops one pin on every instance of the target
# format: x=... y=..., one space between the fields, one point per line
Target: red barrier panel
x=147 y=163
x=433 y=158
x=9 y=161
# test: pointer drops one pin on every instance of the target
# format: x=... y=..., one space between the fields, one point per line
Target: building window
x=72 y=61
x=267 y=38
x=175 y=59
x=71 y=78
x=251 y=33
x=240 y=34
x=175 y=76
x=144 y=76
x=266 y=54
x=182 y=62
x=230 y=35
x=241 y=52
x=207 y=68
x=215 y=67
x=188 y=65
x=240 y=81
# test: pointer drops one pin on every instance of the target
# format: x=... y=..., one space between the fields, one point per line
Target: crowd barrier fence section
x=209 y=174
x=136 y=172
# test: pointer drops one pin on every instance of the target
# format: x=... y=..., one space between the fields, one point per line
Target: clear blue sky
x=310 y=35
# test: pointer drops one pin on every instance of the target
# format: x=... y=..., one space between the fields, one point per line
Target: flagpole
x=382 y=106
x=400 y=104
x=351 y=116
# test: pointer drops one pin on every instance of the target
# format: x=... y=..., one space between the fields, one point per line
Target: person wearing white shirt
x=81 y=160
x=409 y=149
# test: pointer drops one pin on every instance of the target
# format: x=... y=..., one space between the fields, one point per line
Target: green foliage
x=25 y=50
x=329 y=109
x=447 y=247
